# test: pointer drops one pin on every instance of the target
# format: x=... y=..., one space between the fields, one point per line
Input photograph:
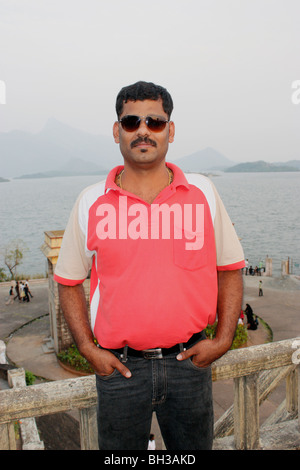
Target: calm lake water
x=263 y=206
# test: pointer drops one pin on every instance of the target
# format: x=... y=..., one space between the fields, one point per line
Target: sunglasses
x=132 y=123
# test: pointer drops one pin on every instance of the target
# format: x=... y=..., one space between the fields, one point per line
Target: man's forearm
x=230 y=298
x=74 y=307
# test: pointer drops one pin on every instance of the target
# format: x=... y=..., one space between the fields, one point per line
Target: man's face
x=144 y=147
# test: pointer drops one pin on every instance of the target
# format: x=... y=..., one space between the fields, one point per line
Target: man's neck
x=145 y=183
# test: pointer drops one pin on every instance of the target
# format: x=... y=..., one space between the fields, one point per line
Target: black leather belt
x=159 y=353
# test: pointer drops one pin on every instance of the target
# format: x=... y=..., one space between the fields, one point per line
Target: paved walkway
x=25 y=326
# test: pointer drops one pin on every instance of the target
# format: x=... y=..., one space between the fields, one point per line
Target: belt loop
x=181 y=348
x=124 y=355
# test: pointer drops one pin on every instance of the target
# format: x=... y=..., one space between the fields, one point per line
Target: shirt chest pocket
x=189 y=249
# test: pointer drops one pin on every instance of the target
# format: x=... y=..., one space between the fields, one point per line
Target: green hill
x=259 y=166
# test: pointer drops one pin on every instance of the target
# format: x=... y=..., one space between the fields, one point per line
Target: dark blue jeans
x=178 y=391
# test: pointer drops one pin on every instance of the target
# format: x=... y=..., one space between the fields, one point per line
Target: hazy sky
x=228 y=64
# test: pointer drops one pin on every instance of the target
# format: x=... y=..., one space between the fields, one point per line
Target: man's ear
x=116 y=132
x=171 y=131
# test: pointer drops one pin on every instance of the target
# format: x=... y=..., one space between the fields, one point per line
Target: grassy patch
x=240 y=336
x=73 y=358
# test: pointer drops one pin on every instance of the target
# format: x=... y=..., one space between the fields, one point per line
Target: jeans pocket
x=107 y=377
x=195 y=367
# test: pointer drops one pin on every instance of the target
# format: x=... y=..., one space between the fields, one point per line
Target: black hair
x=141 y=91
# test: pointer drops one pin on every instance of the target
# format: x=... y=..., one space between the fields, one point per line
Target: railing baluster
x=292 y=392
x=7 y=437
x=88 y=428
x=246 y=412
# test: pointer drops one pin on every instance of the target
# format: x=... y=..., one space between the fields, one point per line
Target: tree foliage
x=13 y=256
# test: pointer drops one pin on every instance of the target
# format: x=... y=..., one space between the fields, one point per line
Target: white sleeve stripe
x=87 y=199
x=205 y=185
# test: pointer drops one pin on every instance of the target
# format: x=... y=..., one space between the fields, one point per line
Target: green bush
x=240 y=336
x=29 y=377
x=72 y=357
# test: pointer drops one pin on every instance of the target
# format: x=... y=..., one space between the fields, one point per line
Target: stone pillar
x=284 y=268
x=268 y=266
x=60 y=332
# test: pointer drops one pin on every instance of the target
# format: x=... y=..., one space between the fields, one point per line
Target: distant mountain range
x=60 y=150
x=55 y=147
x=207 y=159
x=261 y=166
x=74 y=167
x=210 y=159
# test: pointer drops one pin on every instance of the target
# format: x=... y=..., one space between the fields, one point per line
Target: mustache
x=145 y=140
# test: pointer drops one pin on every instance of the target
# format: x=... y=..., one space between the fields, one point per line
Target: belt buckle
x=152 y=353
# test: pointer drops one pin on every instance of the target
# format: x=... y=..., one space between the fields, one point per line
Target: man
x=151 y=443
x=164 y=258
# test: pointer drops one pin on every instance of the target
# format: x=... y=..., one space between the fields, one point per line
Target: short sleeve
x=229 y=250
x=74 y=261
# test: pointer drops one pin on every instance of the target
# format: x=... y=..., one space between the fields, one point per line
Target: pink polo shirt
x=153 y=266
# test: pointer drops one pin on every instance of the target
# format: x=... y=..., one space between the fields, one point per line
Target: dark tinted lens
x=155 y=125
x=130 y=123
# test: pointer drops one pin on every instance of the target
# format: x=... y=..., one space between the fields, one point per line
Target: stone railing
x=256 y=371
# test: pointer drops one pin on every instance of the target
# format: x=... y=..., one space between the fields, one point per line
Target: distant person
x=11 y=296
x=246 y=266
x=17 y=289
x=260 y=290
x=27 y=285
x=22 y=292
x=241 y=319
x=26 y=292
x=151 y=443
x=251 y=324
x=249 y=313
